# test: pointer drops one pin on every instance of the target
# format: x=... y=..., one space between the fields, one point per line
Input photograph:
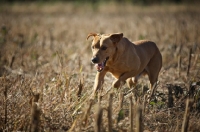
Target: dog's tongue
x=99 y=66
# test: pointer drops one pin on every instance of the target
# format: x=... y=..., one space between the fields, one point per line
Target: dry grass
x=43 y=49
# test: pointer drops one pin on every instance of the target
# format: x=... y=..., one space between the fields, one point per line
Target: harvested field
x=46 y=77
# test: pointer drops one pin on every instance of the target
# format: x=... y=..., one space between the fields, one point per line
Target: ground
x=46 y=76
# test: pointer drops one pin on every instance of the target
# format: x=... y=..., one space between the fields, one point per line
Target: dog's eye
x=92 y=47
x=103 y=48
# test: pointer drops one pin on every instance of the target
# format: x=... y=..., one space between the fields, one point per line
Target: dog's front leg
x=99 y=80
x=123 y=78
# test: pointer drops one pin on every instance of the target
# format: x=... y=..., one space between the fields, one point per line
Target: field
x=46 y=77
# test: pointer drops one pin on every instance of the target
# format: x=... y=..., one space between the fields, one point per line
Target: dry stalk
x=120 y=108
x=35 y=117
x=12 y=61
x=189 y=62
x=121 y=99
x=21 y=126
x=107 y=92
x=177 y=126
x=195 y=60
x=110 y=113
x=35 y=113
x=68 y=80
x=186 y=119
x=35 y=98
x=170 y=97
x=73 y=125
x=51 y=40
x=179 y=65
x=79 y=63
x=5 y=98
x=80 y=89
x=42 y=90
x=131 y=114
x=98 y=119
x=144 y=103
x=139 y=120
x=85 y=117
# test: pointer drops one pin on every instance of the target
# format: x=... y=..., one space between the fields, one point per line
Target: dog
x=125 y=60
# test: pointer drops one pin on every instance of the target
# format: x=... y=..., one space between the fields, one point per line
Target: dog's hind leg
x=153 y=69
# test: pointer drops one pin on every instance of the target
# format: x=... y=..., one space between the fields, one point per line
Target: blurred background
x=43 y=49
x=120 y=1
x=61 y=26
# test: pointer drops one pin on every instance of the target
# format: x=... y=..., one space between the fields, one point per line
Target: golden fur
x=124 y=59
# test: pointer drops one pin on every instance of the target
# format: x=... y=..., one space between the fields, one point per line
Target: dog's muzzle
x=99 y=66
x=95 y=60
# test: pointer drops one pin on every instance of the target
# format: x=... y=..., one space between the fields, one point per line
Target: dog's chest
x=117 y=71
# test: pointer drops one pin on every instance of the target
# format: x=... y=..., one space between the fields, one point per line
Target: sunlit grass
x=43 y=50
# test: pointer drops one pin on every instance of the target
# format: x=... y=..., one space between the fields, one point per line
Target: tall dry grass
x=43 y=50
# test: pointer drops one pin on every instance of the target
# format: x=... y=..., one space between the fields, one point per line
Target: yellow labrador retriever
x=125 y=60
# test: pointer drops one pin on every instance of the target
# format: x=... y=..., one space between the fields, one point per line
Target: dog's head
x=103 y=48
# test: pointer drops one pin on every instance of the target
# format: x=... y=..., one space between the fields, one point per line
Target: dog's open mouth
x=100 y=66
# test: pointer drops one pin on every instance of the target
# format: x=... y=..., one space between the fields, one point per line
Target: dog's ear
x=116 y=37
x=91 y=34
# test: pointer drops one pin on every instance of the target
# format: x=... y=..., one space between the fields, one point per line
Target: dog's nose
x=94 y=60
